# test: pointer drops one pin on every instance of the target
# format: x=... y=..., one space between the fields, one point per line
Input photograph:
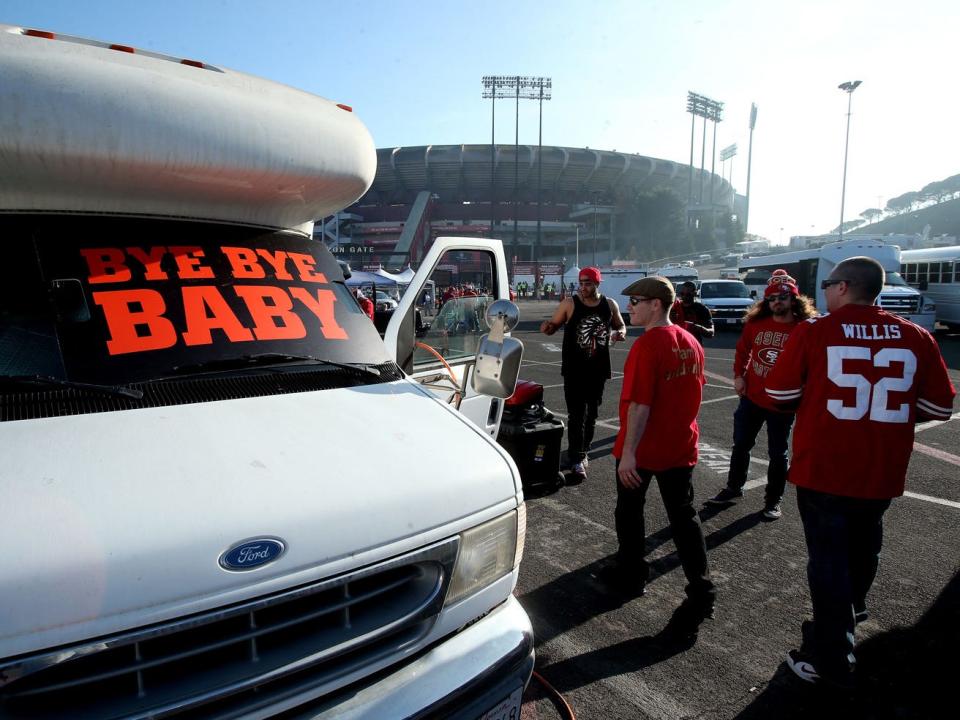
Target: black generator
x=532 y=436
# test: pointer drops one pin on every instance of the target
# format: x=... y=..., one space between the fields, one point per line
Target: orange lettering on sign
x=322 y=307
x=150 y=261
x=105 y=265
x=196 y=303
x=277 y=262
x=188 y=263
x=123 y=321
x=305 y=265
x=243 y=263
x=265 y=315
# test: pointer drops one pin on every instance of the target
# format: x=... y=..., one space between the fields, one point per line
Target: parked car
x=727 y=301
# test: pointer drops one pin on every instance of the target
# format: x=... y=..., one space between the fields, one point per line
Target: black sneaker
x=624 y=582
x=725 y=497
x=687 y=618
x=803 y=667
x=772 y=512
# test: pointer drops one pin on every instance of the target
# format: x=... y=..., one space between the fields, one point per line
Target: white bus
x=811 y=267
x=223 y=493
x=936 y=273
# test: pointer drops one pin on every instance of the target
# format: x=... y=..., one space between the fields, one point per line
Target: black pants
x=747 y=421
x=844 y=536
x=583 y=398
x=676 y=489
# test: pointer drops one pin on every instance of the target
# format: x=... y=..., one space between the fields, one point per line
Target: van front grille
x=900 y=304
x=223 y=663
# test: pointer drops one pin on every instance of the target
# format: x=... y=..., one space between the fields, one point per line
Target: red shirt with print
x=761 y=342
x=863 y=377
x=664 y=370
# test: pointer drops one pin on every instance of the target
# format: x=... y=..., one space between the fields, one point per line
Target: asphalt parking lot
x=611 y=659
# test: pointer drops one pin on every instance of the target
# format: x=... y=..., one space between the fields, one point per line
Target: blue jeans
x=844 y=536
x=747 y=421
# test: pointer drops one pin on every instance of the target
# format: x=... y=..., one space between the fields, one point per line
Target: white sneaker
x=585 y=463
x=579 y=469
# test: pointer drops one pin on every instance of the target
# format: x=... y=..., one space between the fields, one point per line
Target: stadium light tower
x=848 y=88
x=746 y=209
x=517 y=87
x=701 y=106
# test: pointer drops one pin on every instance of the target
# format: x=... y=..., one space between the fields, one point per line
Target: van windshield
x=116 y=301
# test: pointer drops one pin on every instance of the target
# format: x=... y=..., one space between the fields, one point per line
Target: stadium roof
x=462 y=173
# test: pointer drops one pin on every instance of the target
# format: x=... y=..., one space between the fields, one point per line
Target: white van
x=812 y=266
x=224 y=495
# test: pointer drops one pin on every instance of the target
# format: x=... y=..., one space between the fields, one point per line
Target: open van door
x=438 y=346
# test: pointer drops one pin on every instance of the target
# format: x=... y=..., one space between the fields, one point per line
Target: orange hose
x=556 y=693
x=438 y=356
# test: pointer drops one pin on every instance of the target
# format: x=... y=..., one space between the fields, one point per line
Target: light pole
x=848 y=88
x=517 y=88
x=746 y=209
x=702 y=106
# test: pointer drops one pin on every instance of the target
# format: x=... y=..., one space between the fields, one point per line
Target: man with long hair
x=767 y=325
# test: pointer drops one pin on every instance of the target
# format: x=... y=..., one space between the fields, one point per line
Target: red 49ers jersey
x=863 y=377
x=761 y=342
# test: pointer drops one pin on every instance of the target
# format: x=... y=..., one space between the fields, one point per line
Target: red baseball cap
x=592 y=274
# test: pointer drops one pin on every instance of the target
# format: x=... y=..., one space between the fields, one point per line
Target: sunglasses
x=782 y=297
x=827 y=283
x=637 y=300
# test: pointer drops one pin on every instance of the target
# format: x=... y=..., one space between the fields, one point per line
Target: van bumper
x=462 y=677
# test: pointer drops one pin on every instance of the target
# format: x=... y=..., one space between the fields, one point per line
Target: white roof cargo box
x=250 y=151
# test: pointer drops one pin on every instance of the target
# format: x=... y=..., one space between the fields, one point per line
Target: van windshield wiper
x=116 y=390
x=266 y=360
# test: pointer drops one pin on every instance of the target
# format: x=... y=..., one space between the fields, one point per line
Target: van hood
x=899 y=290
x=117 y=520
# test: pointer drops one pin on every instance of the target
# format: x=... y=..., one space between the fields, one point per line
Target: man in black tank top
x=587 y=318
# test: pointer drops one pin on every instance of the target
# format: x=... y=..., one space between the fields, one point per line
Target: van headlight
x=928 y=305
x=487 y=553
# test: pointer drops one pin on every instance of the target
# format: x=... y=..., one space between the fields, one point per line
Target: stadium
x=420 y=193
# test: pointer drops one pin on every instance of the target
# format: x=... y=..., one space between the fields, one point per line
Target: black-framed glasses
x=827 y=283
x=782 y=297
x=638 y=300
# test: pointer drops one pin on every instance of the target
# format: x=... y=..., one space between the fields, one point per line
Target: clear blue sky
x=620 y=70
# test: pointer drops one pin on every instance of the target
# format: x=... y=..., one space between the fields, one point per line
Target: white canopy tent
x=359 y=277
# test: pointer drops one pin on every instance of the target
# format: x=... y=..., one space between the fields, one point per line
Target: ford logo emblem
x=251 y=554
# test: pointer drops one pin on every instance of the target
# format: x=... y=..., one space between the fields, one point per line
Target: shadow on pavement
x=624 y=657
x=577 y=596
x=905 y=673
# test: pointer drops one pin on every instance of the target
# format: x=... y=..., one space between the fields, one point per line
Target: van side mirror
x=923 y=285
x=753 y=293
x=498 y=357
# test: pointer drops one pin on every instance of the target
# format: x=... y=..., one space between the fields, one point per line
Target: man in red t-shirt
x=768 y=325
x=862 y=377
x=365 y=303
x=662 y=388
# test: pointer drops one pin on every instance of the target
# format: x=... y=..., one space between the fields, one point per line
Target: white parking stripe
x=928 y=498
x=720 y=399
x=725 y=380
x=933 y=423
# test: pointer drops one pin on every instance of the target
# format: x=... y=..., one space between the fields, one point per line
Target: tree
x=848 y=226
x=655 y=225
x=933 y=191
x=871 y=214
